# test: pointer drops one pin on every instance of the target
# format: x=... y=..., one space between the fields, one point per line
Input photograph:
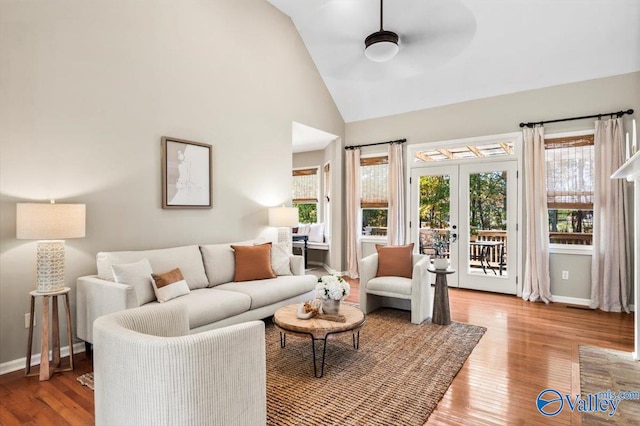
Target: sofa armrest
x=96 y=297
x=368 y=268
x=421 y=287
x=216 y=377
x=296 y=263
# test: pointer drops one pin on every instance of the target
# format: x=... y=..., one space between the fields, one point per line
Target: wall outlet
x=27 y=318
x=565 y=275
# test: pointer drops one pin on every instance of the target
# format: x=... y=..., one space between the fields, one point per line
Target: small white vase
x=330 y=306
x=441 y=263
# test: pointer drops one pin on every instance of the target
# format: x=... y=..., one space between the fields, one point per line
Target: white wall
x=502 y=114
x=89 y=87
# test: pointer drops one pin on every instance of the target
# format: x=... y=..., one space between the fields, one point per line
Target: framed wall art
x=187 y=175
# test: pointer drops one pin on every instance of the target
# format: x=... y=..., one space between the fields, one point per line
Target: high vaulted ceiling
x=458 y=50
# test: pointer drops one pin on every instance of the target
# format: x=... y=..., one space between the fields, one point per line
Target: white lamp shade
x=42 y=221
x=283 y=216
x=381 y=51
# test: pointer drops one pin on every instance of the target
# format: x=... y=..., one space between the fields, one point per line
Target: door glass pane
x=435 y=194
x=488 y=223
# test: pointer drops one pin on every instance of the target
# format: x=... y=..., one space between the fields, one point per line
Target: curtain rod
x=598 y=116
x=373 y=144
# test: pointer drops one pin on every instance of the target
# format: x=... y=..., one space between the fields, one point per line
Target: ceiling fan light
x=381 y=46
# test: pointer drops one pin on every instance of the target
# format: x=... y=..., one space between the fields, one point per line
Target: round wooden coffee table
x=319 y=329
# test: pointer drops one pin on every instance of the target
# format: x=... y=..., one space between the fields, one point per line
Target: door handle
x=454 y=237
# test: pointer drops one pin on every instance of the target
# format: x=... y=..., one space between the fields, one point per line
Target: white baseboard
x=580 y=302
x=570 y=300
x=328 y=269
x=19 y=364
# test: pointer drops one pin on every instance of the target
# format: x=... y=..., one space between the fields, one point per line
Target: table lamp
x=50 y=223
x=284 y=218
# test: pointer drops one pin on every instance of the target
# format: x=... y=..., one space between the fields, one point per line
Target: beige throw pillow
x=137 y=274
x=316 y=233
x=253 y=262
x=279 y=258
x=169 y=285
x=395 y=261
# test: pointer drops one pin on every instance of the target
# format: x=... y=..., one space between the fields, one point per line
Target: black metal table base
x=355 y=337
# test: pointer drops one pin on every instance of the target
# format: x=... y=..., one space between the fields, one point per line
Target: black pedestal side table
x=441 y=313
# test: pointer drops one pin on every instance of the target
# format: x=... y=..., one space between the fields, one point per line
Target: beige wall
x=88 y=89
x=502 y=114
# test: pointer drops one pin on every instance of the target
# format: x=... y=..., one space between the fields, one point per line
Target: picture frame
x=187 y=175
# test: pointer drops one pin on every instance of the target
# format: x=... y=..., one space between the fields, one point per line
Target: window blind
x=305 y=186
x=570 y=172
x=374 y=172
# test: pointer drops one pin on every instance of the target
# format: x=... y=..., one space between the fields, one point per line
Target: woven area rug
x=397 y=376
x=86 y=380
x=609 y=370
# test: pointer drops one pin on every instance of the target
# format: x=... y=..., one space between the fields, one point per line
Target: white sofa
x=214 y=301
x=150 y=371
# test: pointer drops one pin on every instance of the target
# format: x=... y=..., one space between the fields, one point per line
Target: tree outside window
x=374 y=201
x=305 y=190
x=570 y=175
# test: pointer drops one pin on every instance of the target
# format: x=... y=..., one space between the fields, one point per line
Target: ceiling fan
x=381 y=45
x=420 y=35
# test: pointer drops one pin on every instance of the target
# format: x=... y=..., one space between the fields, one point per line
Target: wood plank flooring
x=528 y=347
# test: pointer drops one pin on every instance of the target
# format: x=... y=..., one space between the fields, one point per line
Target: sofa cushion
x=219 y=261
x=397 y=285
x=209 y=305
x=169 y=285
x=187 y=258
x=266 y=292
x=137 y=274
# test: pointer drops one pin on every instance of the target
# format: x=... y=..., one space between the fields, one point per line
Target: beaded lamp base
x=50 y=266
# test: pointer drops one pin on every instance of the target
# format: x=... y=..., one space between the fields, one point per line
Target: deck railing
x=493 y=254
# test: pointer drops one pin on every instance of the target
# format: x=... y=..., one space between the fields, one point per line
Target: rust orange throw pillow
x=395 y=261
x=253 y=262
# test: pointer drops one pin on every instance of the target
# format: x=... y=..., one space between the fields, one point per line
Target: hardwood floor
x=528 y=347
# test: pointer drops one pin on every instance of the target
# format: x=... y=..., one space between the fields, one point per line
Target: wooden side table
x=48 y=367
x=441 y=313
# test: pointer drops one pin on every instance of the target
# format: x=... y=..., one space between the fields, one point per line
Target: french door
x=472 y=207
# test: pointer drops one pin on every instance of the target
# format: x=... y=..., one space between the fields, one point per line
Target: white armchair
x=412 y=294
x=150 y=371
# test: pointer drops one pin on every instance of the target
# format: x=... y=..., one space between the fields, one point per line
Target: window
x=305 y=194
x=326 y=217
x=490 y=149
x=570 y=177
x=374 y=178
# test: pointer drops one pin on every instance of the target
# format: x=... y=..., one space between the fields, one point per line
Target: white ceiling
x=457 y=50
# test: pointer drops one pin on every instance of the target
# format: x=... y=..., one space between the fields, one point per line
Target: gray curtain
x=536 y=283
x=395 y=218
x=353 y=211
x=609 y=281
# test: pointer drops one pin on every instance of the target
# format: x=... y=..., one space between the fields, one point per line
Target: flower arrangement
x=332 y=287
x=441 y=244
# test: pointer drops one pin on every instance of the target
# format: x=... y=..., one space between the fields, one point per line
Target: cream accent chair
x=150 y=371
x=410 y=294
